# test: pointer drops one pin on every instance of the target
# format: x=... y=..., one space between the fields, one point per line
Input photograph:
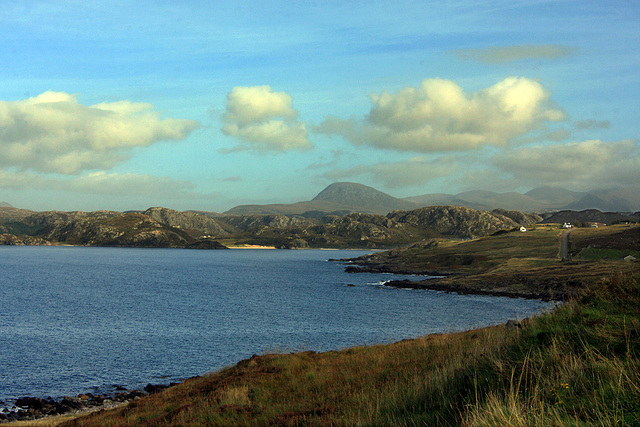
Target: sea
x=81 y=319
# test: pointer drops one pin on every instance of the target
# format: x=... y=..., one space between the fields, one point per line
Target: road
x=564 y=245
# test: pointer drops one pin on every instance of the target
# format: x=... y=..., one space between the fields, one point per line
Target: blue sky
x=205 y=105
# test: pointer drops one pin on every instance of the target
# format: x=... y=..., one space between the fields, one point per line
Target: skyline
x=125 y=105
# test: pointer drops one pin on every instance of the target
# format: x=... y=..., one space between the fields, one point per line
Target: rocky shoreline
x=33 y=408
x=529 y=285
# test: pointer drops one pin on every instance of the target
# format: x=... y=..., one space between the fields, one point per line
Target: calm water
x=79 y=319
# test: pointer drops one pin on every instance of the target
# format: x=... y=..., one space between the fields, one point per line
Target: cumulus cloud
x=52 y=132
x=406 y=173
x=586 y=164
x=503 y=54
x=263 y=120
x=439 y=116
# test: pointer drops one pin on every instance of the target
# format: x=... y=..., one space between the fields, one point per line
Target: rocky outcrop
x=33 y=408
x=107 y=229
x=520 y=218
x=454 y=221
x=187 y=221
x=22 y=240
x=260 y=222
x=359 y=226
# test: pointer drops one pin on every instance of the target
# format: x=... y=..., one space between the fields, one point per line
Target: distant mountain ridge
x=340 y=198
x=343 y=197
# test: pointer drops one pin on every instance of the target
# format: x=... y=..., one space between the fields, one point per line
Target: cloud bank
x=504 y=54
x=586 y=164
x=263 y=120
x=101 y=183
x=438 y=116
x=52 y=132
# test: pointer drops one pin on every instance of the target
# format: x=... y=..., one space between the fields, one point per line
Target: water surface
x=78 y=319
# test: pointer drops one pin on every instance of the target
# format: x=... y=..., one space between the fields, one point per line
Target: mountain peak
x=365 y=198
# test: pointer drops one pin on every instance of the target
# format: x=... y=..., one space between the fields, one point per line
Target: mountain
x=625 y=199
x=340 y=197
x=363 y=198
x=5 y=205
x=554 y=196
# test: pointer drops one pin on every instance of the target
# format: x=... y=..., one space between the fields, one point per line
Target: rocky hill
x=519 y=217
x=100 y=228
x=187 y=221
x=455 y=221
x=160 y=227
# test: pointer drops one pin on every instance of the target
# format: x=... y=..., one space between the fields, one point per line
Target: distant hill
x=554 y=196
x=5 y=205
x=625 y=199
x=589 y=215
x=340 y=197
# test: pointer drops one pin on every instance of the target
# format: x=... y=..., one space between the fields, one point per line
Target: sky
x=124 y=105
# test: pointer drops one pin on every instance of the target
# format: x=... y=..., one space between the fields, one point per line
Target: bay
x=79 y=319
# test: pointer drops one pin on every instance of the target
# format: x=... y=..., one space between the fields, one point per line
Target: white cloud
x=263 y=120
x=52 y=132
x=503 y=54
x=585 y=165
x=439 y=116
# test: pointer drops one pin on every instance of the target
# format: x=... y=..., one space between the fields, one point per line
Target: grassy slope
x=517 y=264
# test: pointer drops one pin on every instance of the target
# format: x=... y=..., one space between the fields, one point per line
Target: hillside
x=455 y=221
x=161 y=227
x=187 y=221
